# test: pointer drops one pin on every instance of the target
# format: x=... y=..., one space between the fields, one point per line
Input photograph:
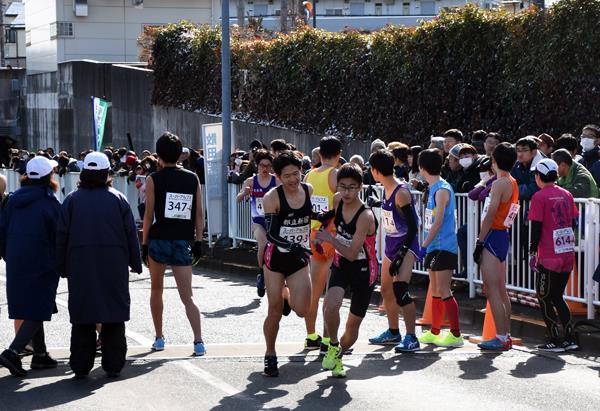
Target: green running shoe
x=329 y=360
x=449 y=340
x=338 y=371
x=428 y=337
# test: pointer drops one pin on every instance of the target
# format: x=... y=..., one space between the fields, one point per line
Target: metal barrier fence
x=581 y=287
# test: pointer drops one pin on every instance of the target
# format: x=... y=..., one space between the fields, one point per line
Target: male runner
x=174 y=218
x=553 y=214
x=287 y=254
x=323 y=180
x=493 y=243
x=442 y=247
x=256 y=187
x=400 y=222
x=355 y=265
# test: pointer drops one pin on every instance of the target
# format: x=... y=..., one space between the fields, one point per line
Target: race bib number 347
x=179 y=206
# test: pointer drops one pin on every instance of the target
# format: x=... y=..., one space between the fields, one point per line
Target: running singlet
x=256 y=199
x=345 y=232
x=174 y=205
x=322 y=197
x=554 y=207
x=507 y=211
x=446 y=236
x=393 y=223
x=294 y=222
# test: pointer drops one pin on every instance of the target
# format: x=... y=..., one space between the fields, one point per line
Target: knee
x=331 y=308
x=401 y=293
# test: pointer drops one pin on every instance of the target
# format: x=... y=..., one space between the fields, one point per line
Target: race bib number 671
x=178 y=206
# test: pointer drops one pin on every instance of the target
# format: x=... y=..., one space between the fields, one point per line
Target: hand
x=324 y=216
x=323 y=235
x=478 y=251
x=196 y=252
x=533 y=263
x=247 y=190
x=300 y=253
x=397 y=261
x=145 y=254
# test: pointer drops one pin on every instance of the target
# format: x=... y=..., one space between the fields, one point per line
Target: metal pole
x=2 y=28
x=314 y=3
x=226 y=110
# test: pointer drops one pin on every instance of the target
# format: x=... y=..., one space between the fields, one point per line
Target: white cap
x=546 y=165
x=96 y=161
x=40 y=166
x=185 y=150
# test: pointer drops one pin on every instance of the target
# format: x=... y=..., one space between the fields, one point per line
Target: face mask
x=466 y=162
x=484 y=176
x=587 y=144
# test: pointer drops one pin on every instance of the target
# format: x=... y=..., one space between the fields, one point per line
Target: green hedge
x=537 y=71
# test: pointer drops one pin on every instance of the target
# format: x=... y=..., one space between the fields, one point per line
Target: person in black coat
x=96 y=244
x=27 y=244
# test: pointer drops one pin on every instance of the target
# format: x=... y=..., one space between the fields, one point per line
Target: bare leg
x=183 y=278
x=387 y=291
x=157 y=274
x=409 y=311
x=318 y=276
x=299 y=285
x=493 y=289
x=261 y=240
x=351 y=334
x=331 y=311
x=274 y=283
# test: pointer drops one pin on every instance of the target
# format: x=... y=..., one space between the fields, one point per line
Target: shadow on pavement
x=538 y=364
x=245 y=309
x=478 y=368
x=16 y=393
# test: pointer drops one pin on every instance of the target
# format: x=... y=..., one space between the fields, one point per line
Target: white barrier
x=581 y=288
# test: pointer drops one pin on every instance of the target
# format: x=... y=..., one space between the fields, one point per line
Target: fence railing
x=519 y=278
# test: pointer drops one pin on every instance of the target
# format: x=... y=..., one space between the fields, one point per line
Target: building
x=14 y=34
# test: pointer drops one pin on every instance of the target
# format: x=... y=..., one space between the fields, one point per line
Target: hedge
x=533 y=72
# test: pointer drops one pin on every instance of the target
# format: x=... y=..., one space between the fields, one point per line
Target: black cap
x=255 y=145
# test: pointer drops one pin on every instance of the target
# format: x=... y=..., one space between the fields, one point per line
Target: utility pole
x=225 y=111
x=2 y=51
x=284 y=16
x=241 y=12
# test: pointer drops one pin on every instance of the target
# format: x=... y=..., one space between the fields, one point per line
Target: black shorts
x=441 y=260
x=280 y=262
x=353 y=275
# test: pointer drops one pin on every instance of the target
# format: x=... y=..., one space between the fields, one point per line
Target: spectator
x=315 y=158
x=184 y=158
x=490 y=143
x=66 y=164
x=358 y=160
x=200 y=167
x=452 y=171
x=401 y=167
x=250 y=167
x=569 y=142
x=278 y=146
x=546 y=144
x=574 y=177
x=306 y=165
x=376 y=145
x=392 y=145
x=487 y=176
x=523 y=170
x=452 y=137
x=469 y=161
x=590 y=142
x=416 y=179
x=437 y=142
x=478 y=139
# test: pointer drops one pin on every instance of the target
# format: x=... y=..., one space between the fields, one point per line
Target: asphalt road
x=229 y=378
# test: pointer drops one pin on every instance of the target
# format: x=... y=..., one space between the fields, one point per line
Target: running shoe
x=570 y=345
x=12 y=361
x=428 y=337
x=338 y=369
x=199 y=349
x=408 y=344
x=551 y=347
x=494 y=345
x=386 y=337
x=159 y=344
x=260 y=284
x=328 y=362
x=324 y=345
x=311 y=344
x=271 y=369
x=44 y=361
x=449 y=340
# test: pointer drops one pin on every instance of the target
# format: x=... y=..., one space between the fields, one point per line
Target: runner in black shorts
x=288 y=212
x=354 y=265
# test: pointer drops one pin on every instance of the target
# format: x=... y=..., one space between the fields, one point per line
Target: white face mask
x=587 y=143
x=466 y=162
x=484 y=176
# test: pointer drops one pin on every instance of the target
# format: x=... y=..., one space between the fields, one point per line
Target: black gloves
x=397 y=261
x=196 y=252
x=300 y=253
x=145 y=254
x=478 y=251
x=371 y=197
x=324 y=216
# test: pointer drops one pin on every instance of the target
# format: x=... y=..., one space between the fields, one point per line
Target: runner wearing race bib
x=255 y=188
x=400 y=221
x=173 y=221
x=442 y=248
x=493 y=243
x=553 y=215
x=323 y=180
x=287 y=214
x=355 y=265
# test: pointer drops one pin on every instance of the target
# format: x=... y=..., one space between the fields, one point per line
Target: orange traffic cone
x=575 y=307
x=428 y=312
x=489 y=329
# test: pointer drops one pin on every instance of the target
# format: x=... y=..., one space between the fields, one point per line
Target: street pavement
x=229 y=376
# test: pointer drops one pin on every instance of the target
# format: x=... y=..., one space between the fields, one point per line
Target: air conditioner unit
x=138 y=3
x=80 y=8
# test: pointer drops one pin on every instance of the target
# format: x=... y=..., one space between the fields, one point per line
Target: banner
x=212 y=141
x=100 y=109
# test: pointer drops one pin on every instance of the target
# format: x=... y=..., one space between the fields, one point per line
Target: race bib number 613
x=179 y=206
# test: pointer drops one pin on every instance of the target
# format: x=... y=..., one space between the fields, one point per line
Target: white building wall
x=41 y=52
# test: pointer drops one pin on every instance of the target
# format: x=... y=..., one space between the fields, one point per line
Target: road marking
x=211 y=379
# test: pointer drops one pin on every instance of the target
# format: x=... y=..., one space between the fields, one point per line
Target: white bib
x=348 y=243
x=178 y=206
x=259 y=206
x=298 y=235
x=512 y=214
x=564 y=240
x=319 y=203
x=387 y=221
x=486 y=207
x=428 y=219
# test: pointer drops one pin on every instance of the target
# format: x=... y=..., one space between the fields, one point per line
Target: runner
x=491 y=250
x=441 y=244
x=256 y=187
x=173 y=219
x=287 y=254
x=400 y=222
x=323 y=180
x=553 y=216
x=355 y=265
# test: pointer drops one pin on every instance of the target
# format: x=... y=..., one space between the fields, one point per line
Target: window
x=357 y=9
x=28 y=37
x=61 y=29
x=10 y=35
x=261 y=9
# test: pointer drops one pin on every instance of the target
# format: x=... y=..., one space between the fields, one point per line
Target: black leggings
x=30 y=331
x=550 y=287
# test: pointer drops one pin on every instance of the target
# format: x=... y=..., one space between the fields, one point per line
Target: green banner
x=99 y=112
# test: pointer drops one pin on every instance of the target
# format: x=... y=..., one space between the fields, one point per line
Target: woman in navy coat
x=96 y=244
x=28 y=244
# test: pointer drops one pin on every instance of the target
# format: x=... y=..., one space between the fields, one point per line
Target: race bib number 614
x=179 y=206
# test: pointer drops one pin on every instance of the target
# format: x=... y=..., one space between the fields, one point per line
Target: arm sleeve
x=273 y=236
x=474 y=193
x=411 y=223
x=536 y=233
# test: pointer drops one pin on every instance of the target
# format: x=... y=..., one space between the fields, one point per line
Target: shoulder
x=366 y=217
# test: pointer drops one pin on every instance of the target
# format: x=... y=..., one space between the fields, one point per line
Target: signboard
x=100 y=109
x=212 y=141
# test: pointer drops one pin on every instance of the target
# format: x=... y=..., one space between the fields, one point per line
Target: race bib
x=348 y=243
x=512 y=214
x=259 y=206
x=299 y=235
x=486 y=207
x=564 y=240
x=178 y=206
x=428 y=219
x=319 y=203
x=387 y=221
